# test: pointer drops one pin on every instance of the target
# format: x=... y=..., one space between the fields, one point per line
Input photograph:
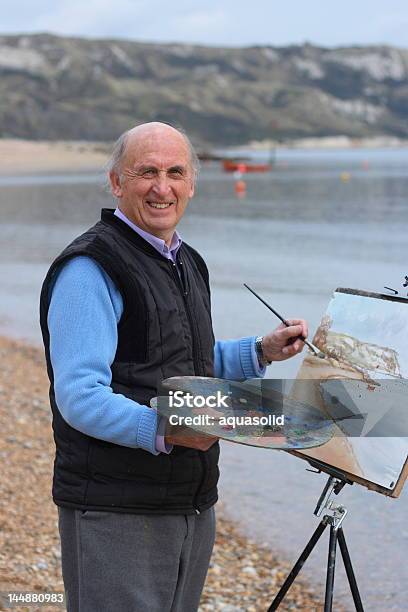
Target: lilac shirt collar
x=157 y=243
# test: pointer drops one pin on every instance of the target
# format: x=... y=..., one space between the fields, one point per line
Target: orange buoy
x=240 y=188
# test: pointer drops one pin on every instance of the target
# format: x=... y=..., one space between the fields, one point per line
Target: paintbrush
x=312 y=347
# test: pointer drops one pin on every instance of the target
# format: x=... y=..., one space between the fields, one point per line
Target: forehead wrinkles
x=162 y=152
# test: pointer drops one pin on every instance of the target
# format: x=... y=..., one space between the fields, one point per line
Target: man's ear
x=192 y=186
x=116 y=187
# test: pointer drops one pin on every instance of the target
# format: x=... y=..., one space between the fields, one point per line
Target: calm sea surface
x=318 y=221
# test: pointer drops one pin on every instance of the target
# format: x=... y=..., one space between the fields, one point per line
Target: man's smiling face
x=156 y=179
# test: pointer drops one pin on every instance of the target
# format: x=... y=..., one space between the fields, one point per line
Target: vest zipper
x=184 y=292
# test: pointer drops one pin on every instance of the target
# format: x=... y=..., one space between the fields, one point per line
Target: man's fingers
x=285 y=341
x=293 y=349
x=302 y=323
x=291 y=332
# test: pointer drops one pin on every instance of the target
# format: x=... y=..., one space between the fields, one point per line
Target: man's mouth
x=159 y=205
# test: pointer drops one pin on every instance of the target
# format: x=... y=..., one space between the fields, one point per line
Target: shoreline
x=327 y=143
x=43 y=156
x=243 y=575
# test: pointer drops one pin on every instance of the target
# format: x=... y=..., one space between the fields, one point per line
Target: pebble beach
x=243 y=576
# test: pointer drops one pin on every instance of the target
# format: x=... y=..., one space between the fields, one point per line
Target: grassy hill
x=54 y=87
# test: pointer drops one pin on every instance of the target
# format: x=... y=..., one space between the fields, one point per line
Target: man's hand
x=179 y=435
x=281 y=343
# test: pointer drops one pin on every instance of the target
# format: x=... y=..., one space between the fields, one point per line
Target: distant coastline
x=42 y=156
x=328 y=142
x=20 y=156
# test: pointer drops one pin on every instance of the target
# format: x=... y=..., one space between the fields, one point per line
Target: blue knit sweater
x=85 y=308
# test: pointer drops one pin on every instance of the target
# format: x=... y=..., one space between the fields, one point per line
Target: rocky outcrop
x=365 y=356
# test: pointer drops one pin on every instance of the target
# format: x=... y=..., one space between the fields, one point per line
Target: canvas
x=362 y=380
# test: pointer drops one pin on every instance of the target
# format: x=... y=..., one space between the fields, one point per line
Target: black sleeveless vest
x=165 y=330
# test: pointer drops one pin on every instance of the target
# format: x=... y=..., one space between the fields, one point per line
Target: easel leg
x=298 y=566
x=333 y=487
x=349 y=571
x=331 y=566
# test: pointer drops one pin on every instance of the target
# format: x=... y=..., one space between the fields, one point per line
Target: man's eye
x=176 y=172
x=148 y=172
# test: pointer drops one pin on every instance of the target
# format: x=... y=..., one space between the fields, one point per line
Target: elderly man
x=124 y=306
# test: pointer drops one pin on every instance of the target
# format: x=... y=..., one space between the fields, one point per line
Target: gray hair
x=115 y=161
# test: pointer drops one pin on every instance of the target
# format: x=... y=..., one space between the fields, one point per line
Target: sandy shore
x=31 y=157
x=25 y=156
x=243 y=576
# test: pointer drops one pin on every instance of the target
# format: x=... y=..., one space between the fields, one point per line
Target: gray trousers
x=113 y=562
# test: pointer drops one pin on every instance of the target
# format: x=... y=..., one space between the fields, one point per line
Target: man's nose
x=161 y=185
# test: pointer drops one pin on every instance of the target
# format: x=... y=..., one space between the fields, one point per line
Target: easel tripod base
x=336 y=536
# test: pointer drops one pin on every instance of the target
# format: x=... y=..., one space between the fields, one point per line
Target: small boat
x=230 y=165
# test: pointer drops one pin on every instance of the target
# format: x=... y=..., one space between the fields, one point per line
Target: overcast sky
x=216 y=22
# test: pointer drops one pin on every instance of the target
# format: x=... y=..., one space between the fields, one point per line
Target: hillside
x=53 y=87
